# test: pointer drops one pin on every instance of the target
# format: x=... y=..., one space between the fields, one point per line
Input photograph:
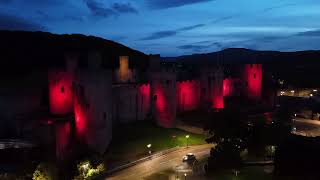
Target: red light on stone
x=188 y=95
x=49 y=122
x=227 y=87
x=144 y=101
x=63 y=133
x=60 y=92
x=144 y=90
x=80 y=119
x=218 y=102
x=253 y=78
x=164 y=109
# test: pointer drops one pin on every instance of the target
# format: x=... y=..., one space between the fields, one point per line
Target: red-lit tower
x=60 y=87
x=163 y=91
x=93 y=104
x=252 y=77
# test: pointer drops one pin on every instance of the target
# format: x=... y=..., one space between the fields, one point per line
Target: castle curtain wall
x=188 y=95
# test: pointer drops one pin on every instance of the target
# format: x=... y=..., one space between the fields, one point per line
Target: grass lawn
x=130 y=142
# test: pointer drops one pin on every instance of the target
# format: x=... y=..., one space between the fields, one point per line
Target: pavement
x=158 y=164
x=307 y=127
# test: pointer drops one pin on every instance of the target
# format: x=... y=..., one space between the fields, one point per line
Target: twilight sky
x=175 y=27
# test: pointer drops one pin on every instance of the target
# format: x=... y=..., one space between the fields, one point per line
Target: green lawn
x=130 y=142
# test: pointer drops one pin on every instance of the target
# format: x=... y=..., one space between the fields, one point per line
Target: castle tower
x=124 y=74
x=252 y=77
x=211 y=83
x=163 y=93
x=93 y=105
x=60 y=87
x=217 y=97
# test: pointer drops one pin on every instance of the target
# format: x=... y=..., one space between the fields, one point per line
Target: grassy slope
x=130 y=142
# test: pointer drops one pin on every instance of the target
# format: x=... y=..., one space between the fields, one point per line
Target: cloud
x=223 y=19
x=278 y=7
x=98 y=9
x=309 y=33
x=124 y=8
x=193 y=47
x=169 y=33
x=164 y=4
x=217 y=44
x=160 y=34
x=187 y=28
x=8 y=22
x=197 y=47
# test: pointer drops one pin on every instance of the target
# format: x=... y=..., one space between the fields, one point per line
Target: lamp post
x=187 y=137
x=185 y=176
x=149 y=148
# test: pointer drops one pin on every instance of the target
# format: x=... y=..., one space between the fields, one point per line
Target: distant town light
x=292 y=91
x=311 y=95
x=315 y=90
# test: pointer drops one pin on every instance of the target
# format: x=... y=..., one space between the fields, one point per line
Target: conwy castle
x=92 y=99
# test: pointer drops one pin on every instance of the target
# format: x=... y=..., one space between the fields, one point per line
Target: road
x=307 y=127
x=161 y=163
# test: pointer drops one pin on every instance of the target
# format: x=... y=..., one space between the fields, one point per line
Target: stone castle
x=98 y=97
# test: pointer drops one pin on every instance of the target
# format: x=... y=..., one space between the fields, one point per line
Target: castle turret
x=60 y=87
x=163 y=92
x=252 y=76
x=212 y=87
x=93 y=105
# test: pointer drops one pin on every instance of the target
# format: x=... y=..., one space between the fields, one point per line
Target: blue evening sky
x=175 y=27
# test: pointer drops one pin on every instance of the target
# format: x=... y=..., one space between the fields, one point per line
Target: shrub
x=44 y=171
x=86 y=170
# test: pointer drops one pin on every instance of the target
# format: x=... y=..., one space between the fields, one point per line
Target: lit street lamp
x=187 y=137
x=149 y=148
x=185 y=176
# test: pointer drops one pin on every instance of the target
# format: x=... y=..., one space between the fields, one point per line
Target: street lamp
x=149 y=148
x=185 y=176
x=187 y=137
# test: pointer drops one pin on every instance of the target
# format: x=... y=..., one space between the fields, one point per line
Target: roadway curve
x=170 y=160
x=307 y=127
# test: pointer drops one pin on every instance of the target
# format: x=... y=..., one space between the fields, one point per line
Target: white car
x=190 y=157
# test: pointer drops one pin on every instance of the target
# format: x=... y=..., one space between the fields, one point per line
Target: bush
x=44 y=171
x=86 y=170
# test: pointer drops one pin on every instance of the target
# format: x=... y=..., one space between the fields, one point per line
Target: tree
x=229 y=131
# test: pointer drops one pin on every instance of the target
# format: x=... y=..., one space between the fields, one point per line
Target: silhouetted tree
x=228 y=130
